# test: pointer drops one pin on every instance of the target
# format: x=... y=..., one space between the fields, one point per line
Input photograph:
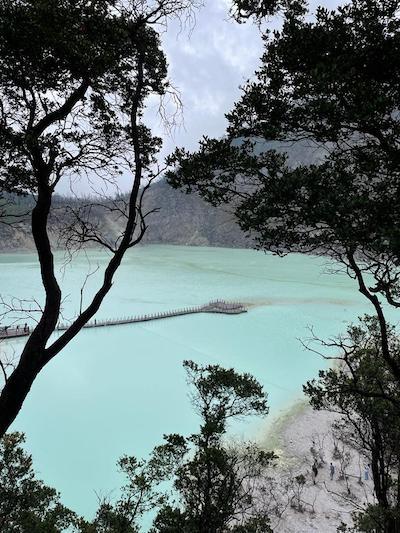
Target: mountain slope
x=180 y=219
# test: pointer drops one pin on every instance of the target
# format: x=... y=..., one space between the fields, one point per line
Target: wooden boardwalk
x=217 y=306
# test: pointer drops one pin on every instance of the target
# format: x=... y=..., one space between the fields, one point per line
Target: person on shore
x=314 y=472
x=366 y=473
x=332 y=470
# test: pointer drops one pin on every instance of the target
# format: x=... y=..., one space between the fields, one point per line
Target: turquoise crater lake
x=117 y=390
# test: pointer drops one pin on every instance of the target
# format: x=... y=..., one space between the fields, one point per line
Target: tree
x=319 y=85
x=26 y=504
x=364 y=392
x=73 y=84
x=216 y=484
x=203 y=483
x=259 y=9
x=141 y=493
x=328 y=84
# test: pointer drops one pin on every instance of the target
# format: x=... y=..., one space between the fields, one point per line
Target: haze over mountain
x=179 y=219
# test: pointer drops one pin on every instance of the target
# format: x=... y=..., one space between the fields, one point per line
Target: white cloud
x=207 y=64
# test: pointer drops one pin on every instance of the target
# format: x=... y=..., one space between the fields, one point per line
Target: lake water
x=117 y=390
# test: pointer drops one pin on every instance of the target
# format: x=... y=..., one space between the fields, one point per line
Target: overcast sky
x=207 y=64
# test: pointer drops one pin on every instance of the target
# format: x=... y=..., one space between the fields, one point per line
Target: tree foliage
x=332 y=84
x=364 y=391
x=74 y=81
x=27 y=505
x=328 y=83
x=216 y=484
x=221 y=394
x=141 y=493
x=259 y=9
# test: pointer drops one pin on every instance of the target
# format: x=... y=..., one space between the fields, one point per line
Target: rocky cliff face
x=180 y=219
x=187 y=219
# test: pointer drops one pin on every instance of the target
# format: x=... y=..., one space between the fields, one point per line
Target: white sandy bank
x=298 y=437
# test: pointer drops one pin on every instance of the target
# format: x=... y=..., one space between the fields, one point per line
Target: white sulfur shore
x=327 y=503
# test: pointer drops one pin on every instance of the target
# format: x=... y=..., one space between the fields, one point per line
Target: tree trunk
x=33 y=355
x=16 y=389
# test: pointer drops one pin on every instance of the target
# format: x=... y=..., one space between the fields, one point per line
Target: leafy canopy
x=362 y=389
x=332 y=85
x=214 y=482
x=27 y=505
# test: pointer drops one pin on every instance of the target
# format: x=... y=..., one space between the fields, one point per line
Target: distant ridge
x=184 y=219
x=181 y=219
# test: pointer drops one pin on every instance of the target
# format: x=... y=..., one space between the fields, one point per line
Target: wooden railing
x=216 y=306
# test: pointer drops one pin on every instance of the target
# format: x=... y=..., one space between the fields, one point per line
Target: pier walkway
x=217 y=306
